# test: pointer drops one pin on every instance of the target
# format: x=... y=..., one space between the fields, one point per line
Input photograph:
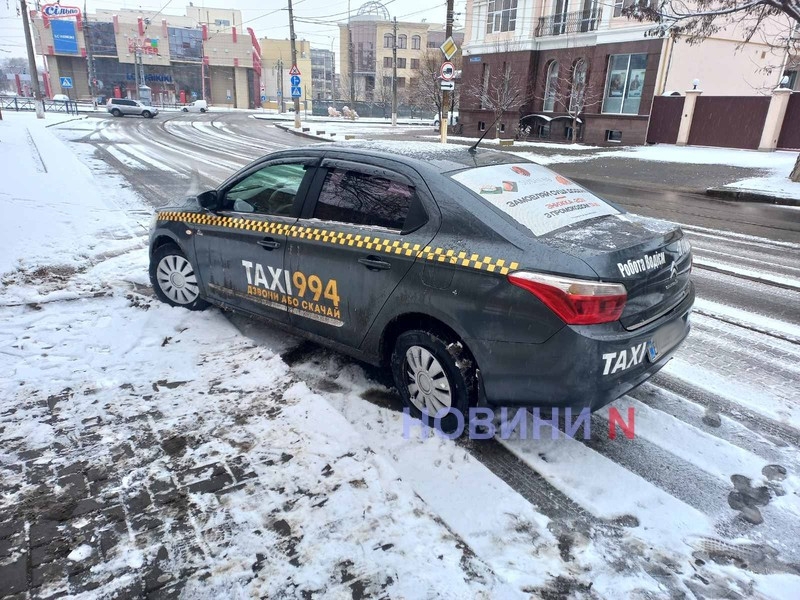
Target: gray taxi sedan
x=476 y=276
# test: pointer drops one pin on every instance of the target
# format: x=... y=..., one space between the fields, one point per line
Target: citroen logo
x=673 y=271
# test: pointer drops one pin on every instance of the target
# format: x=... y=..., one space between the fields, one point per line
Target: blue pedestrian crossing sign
x=66 y=82
x=295 y=80
x=296 y=93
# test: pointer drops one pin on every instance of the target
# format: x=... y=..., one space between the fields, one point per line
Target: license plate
x=665 y=339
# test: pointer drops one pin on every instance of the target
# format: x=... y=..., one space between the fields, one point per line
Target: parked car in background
x=120 y=107
x=196 y=106
x=453 y=119
x=60 y=98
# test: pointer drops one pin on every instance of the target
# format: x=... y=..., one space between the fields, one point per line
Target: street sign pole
x=294 y=65
x=448 y=33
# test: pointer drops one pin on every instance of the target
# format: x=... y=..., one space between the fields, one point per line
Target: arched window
x=578 y=93
x=387 y=40
x=416 y=42
x=402 y=41
x=551 y=87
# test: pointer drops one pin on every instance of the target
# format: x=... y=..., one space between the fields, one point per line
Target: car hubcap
x=428 y=386
x=177 y=280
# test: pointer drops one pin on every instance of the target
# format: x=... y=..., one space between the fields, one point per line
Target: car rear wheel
x=116 y=112
x=173 y=278
x=202 y=110
x=147 y=114
x=185 y=109
x=435 y=374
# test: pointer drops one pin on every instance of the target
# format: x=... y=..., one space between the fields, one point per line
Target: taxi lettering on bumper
x=624 y=359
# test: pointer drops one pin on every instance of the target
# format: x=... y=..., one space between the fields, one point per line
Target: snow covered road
x=146 y=449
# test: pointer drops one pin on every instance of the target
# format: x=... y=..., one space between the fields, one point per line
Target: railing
x=566 y=23
x=55 y=106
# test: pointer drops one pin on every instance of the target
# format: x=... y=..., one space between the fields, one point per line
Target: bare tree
x=700 y=19
x=425 y=91
x=501 y=91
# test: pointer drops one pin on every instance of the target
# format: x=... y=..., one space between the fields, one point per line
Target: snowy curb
x=310 y=136
x=741 y=195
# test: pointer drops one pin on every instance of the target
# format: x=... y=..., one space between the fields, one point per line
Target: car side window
x=269 y=191
x=361 y=199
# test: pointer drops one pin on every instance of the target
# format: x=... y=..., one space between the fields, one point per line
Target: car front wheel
x=435 y=374
x=147 y=114
x=185 y=109
x=174 y=279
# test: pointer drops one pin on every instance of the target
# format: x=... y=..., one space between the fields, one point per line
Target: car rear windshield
x=534 y=196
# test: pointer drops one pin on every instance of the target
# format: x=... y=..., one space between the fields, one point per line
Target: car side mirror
x=209 y=200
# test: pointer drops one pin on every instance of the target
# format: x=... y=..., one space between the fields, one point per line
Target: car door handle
x=269 y=243
x=373 y=263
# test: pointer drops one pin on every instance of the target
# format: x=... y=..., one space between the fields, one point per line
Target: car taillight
x=576 y=301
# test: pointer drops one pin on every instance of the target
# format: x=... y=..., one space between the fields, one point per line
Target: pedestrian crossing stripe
x=449 y=256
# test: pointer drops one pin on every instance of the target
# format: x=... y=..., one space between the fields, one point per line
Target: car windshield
x=534 y=196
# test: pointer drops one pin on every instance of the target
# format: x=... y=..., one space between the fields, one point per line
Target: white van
x=196 y=106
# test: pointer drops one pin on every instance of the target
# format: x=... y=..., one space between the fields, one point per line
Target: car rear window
x=534 y=196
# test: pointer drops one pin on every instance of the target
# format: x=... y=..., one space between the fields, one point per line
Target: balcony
x=568 y=23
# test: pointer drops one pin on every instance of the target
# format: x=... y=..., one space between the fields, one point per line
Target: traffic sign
x=448 y=71
x=447 y=85
x=66 y=82
x=449 y=48
x=263 y=98
x=296 y=92
x=280 y=93
x=294 y=70
x=295 y=80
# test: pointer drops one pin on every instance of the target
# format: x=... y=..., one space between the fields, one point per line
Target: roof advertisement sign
x=534 y=196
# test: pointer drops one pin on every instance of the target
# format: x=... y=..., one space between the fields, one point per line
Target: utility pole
x=294 y=64
x=394 y=75
x=448 y=31
x=89 y=55
x=351 y=62
x=34 y=72
x=279 y=66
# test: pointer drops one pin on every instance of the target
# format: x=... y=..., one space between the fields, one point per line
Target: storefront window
x=624 y=83
x=102 y=38
x=185 y=44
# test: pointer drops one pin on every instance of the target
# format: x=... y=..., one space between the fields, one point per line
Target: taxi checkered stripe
x=447 y=256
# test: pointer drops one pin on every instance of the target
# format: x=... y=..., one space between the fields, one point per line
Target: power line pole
x=34 y=72
x=448 y=32
x=394 y=75
x=351 y=62
x=294 y=64
x=89 y=55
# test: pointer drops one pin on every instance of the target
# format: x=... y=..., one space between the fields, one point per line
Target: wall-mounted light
x=695 y=83
x=784 y=81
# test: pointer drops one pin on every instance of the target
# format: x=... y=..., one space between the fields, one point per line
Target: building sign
x=65 y=41
x=56 y=11
x=147 y=45
x=151 y=77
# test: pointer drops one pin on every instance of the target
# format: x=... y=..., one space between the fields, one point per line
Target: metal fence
x=53 y=106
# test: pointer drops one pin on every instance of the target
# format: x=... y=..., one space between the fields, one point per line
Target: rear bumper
x=580 y=366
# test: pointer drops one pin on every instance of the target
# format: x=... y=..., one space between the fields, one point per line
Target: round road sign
x=448 y=71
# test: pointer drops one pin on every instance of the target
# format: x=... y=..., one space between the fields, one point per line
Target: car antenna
x=474 y=147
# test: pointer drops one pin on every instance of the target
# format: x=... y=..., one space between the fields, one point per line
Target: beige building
x=276 y=58
x=371 y=33
x=202 y=54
